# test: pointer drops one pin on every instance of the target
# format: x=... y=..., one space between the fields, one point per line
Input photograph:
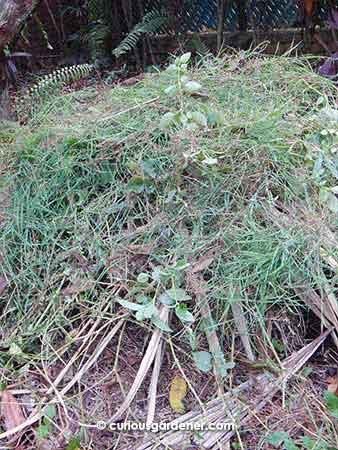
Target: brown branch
x=13 y=13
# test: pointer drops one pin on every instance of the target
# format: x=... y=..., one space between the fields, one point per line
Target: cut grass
x=76 y=211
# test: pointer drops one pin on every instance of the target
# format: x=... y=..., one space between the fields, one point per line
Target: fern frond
x=60 y=77
x=200 y=46
x=152 y=22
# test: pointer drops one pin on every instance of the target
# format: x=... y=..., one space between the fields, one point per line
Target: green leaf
x=156 y=274
x=171 y=91
x=289 y=444
x=318 y=169
x=178 y=294
x=331 y=403
x=167 y=120
x=184 y=314
x=199 y=118
x=311 y=444
x=73 y=444
x=185 y=58
x=136 y=184
x=160 y=324
x=277 y=438
x=229 y=365
x=165 y=299
x=172 y=68
x=181 y=264
x=143 y=278
x=149 y=311
x=192 y=87
x=149 y=168
x=130 y=305
x=50 y=411
x=308 y=443
x=192 y=338
x=215 y=119
x=15 y=350
x=140 y=315
x=142 y=299
x=203 y=361
x=43 y=431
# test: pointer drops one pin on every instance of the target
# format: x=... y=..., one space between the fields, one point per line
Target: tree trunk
x=242 y=16
x=12 y=14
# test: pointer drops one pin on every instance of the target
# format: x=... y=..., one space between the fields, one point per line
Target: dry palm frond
x=232 y=407
x=154 y=348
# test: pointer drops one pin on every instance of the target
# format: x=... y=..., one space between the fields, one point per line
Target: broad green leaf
x=50 y=411
x=149 y=310
x=184 y=79
x=149 y=168
x=177 y=294
x=136 y=184
x=192 y=338
x=199 y=118
x=142 y=299
x=143 y=278
x=181 y=264
x=130 y=305
x=167 y=120
x=332 y=403
x=191 y=87
x=140 y=315
x=185 y=58
x=184 y=314
x=215 y=119
x=289 y=444
x=318 y=169
x=156 y=274
x=73 y=444
x=172 y=68
x=229 y=365
x=171 y=91
x=15 y=350
x=308 y=443
x=203 y=361
x=312 y=444
x=192 y=126
x=159 y=323
x=165 y=299
x=277 y=438
x=43 y=431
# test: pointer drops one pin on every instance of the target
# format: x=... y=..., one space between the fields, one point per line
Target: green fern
x=200 y=46
x=60 y=77
x=152 y=22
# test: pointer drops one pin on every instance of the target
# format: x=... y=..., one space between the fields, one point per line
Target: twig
x=239 y=318
x=153 y=385
x=133 y=108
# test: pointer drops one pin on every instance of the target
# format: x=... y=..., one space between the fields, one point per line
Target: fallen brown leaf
x=11 y=411
x=133 y=80
x=76 y=288
x=202 y=264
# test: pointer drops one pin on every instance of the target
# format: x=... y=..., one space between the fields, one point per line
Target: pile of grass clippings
x=109 y=204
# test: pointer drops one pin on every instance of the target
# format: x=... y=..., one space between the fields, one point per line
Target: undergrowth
x=101 y=192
